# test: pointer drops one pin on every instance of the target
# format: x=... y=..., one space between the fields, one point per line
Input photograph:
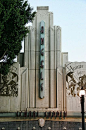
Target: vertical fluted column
x=31 y=66
x=58 y=46
x=52 y=70
x=26 y=51
x=59 y=89
x=64 y=90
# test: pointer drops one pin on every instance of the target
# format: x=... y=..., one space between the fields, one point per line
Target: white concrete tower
x=51 y=61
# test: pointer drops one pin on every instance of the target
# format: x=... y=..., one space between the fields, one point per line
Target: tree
x=14 y=14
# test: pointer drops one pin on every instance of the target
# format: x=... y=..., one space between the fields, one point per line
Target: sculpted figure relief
x=75 y=80
x=8 y=84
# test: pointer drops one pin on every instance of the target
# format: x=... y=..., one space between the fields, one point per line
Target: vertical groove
x=21 y=91
x=25 y=92
x=63 y=89
x=49 y=60
x=24 y=52
x=55 y=61
x=56 y=88
x=29 y=67
x=35 y=57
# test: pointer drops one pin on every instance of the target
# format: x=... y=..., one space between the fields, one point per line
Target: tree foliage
x=14 y=14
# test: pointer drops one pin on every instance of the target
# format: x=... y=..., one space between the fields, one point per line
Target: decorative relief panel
x=75 y=78
x=9 y=83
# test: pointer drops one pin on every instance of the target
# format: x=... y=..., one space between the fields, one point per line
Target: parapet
x=43 y=8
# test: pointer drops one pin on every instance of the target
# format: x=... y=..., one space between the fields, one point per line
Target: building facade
x=43 y=83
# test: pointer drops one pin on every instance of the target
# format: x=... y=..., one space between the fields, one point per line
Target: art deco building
x=43 y=84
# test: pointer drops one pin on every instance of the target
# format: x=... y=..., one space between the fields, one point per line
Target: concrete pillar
x=59 y=89
x=58 y=46
x=64 y=58
x=64 y=90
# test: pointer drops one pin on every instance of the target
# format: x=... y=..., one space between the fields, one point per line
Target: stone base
x=29 y=125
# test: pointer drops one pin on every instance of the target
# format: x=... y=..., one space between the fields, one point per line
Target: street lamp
x=81 y=94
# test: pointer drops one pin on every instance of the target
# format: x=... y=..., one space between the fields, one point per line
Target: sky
x=70 y=15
